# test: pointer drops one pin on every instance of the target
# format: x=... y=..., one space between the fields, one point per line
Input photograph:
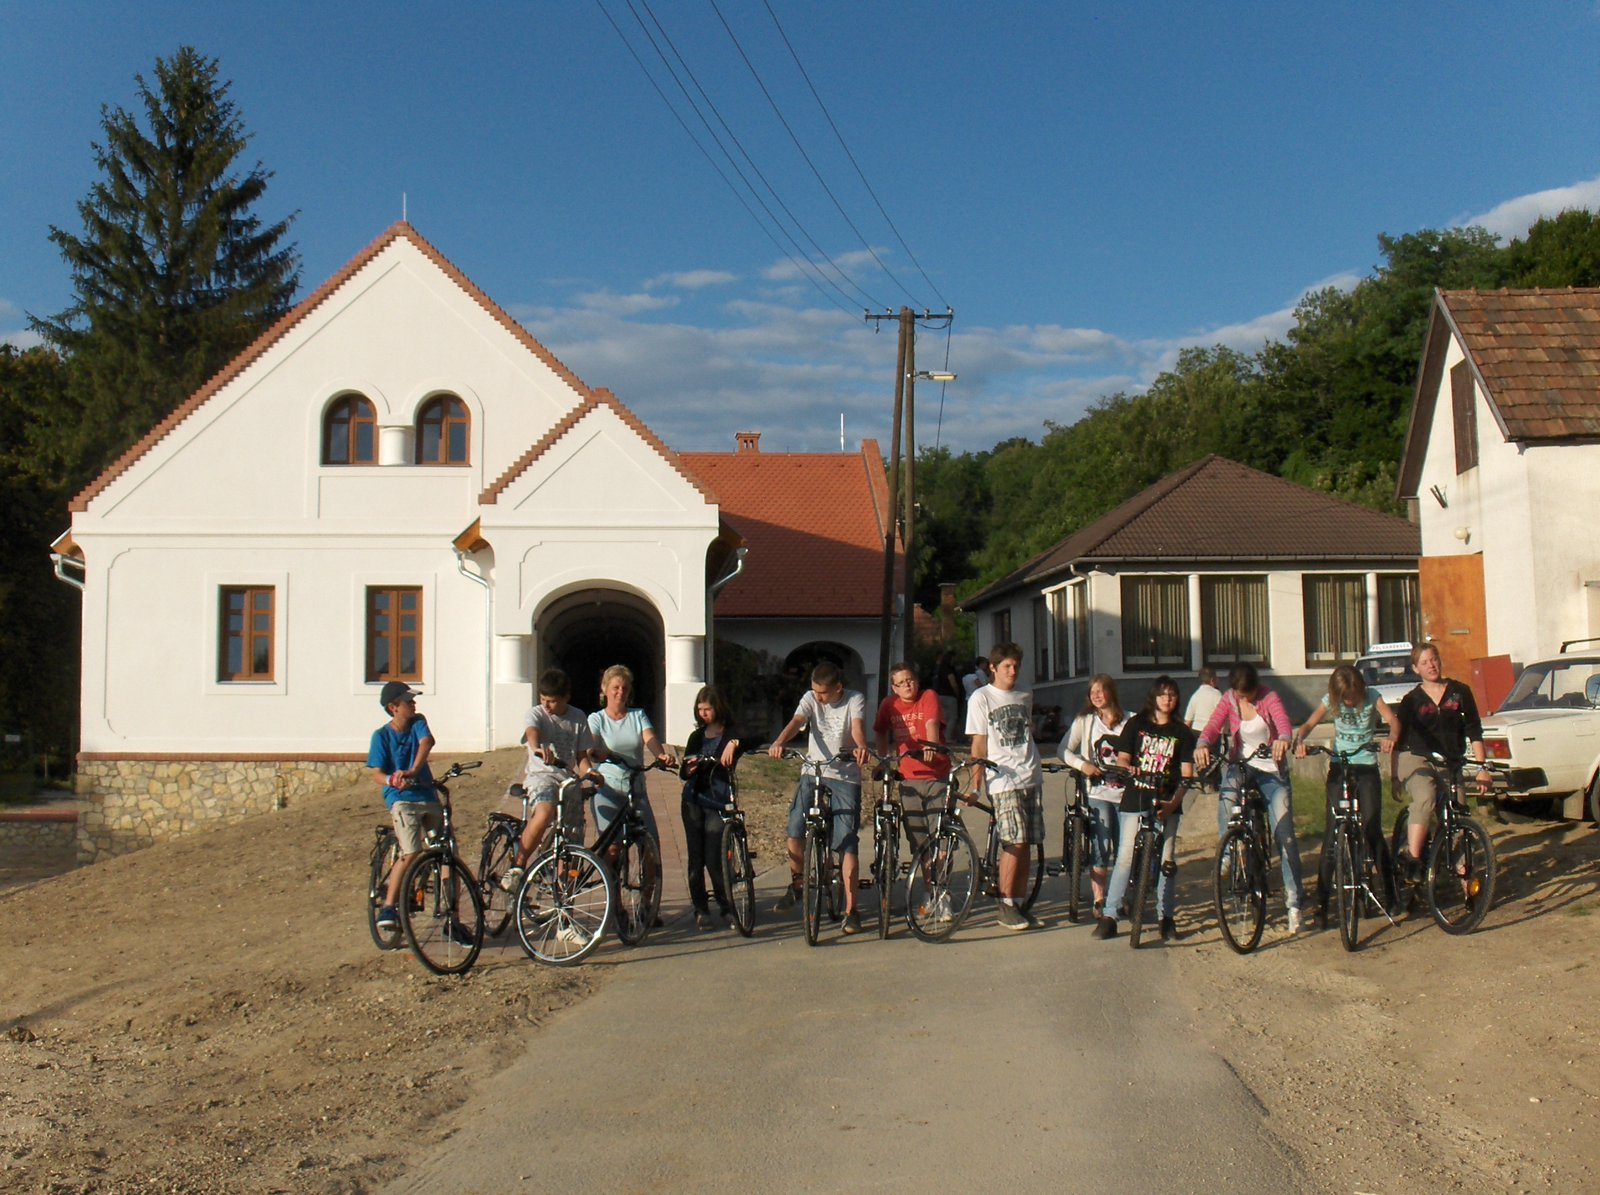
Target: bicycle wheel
x=1143 y=865
x=1035 y=876
x=563 y=905
x=942 y=884
x=1347 y=873
x=739 y=878
x=1077 y=864
x=499 y=853
x=638 y=888
x=816 y=882
x=1240 y=891
x=885 y=867
x=1399 y=852
x=446 y=932
x=385 y=853
x=1460 y=881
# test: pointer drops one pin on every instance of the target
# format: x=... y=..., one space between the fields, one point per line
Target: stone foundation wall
x=127 y=804
x=36 y=839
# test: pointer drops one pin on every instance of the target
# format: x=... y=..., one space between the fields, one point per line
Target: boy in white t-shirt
x=837 y=718
x=1000 y=721
x=557 y=733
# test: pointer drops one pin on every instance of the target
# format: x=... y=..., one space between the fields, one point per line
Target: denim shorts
x=846 y=812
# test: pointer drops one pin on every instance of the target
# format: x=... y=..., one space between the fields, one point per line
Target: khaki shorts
x=412 y=820
x=1421 y=779
x=1018 y=816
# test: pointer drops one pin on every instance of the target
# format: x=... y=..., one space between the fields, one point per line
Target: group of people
x=1132 y=764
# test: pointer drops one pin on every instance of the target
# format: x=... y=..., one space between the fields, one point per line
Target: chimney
x=748 y=441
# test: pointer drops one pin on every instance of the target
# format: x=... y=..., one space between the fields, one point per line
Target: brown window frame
x=1165 y=600
x=1464 y=416
x=444 y=416
x=1334 y=608
x=251 y=628
x=386 y=645
x=1235 y=619
x=353 y=414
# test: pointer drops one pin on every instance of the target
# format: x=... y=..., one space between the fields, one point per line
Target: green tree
x=173 y=273
x=1559 y=250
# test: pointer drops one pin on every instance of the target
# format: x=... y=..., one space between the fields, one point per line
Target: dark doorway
x=586 y=632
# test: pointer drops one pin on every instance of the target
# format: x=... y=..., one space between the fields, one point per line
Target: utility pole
x=901 y=495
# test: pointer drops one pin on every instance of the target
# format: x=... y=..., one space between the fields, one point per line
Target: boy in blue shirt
x=398 y=758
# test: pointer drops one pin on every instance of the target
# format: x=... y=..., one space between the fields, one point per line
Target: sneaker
x=936 y=911
x=852 y=922
x=512 y=880
x=1169 y=929
x=1105 y=928
x=790 y=898
x=1296 y=922
x=702 y=921
x=570 y=935
x=1033 y=922
x=388 y=920
x=1013 y=918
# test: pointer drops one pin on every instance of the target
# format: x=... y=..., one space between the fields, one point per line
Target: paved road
x=710 y=1062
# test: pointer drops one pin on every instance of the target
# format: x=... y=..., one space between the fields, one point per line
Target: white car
x=1386 y=667
x=1544 y=740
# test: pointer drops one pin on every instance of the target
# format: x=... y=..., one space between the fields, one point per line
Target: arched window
x=442 y=428
x=350 y=433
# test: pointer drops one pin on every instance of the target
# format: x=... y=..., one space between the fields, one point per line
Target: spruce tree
x=173 y=272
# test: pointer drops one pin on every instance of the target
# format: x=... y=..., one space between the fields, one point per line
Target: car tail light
x=1497 y=748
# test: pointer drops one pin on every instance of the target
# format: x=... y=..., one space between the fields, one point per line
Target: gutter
x=738 y=567
x=61 y=564
x=488 y=645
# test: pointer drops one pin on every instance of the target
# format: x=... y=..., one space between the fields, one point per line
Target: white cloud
x=14 y=328
x=691 y=279
x=634 y=304
x=1514 y=217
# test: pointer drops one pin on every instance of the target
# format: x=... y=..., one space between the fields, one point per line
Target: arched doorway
x=586 y=631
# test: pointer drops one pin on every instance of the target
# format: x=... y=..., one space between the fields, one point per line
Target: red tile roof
x=1218 y=512
x=1535 y=354
x=814 y=525
x=397 y=231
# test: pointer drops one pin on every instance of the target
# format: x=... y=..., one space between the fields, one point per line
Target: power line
x=737 y=194
x=817 y=174
x=842 y=145
x=732 y=136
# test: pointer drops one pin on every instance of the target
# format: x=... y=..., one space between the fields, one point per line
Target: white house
x=1502 y=461
x=1215 y=564
x=396 y=481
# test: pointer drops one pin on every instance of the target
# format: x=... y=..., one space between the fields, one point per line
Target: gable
x=396 y=324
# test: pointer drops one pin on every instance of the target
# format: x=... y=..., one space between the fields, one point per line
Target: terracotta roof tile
x=1192 y=516
x=814 y=525
x=1537 y=354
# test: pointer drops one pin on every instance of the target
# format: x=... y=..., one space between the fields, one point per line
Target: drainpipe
x=62 y=563
x=488 y=646
x=738 y=567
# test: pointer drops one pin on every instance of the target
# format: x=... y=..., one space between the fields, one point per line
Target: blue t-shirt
x=395 y=750
x=1354 y=725
x=624 y=738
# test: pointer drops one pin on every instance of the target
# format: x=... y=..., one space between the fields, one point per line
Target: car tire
x=1594 y=799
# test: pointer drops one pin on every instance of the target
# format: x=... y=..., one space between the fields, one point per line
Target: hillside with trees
x=1326 y=407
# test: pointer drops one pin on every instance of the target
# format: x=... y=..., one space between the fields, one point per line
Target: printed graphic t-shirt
x=1006 y=718
x=1158 y=754
x=907 y=721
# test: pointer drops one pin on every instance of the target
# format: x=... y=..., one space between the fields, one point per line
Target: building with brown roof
x=810 y=587
x=1501 y=459
x=1215 y=564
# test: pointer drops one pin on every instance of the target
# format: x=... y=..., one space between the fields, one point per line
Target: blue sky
x=1091 y=187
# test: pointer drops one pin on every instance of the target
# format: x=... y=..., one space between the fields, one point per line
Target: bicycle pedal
x=864 y=882
x=1053 y=869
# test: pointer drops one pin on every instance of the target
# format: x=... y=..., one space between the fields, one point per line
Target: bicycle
x=1458 y=881
x=1241 y=881
x=634 y=856
x=738 y=875
x=1154 y=851
x=432 y=891
x=1077 y=827
x=887 y=818
x=501 y=838
x=822 y=873
x=947 y=871
x=1354 y=867
x=385 y=854
x=567 y=894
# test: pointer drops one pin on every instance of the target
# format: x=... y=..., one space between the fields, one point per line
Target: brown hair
x=1347 y=682
x=1109 y=688
x=1423 y=649
x=1004 y=651
x=720 y=713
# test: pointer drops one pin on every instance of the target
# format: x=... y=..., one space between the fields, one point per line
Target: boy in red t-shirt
x=910 y=714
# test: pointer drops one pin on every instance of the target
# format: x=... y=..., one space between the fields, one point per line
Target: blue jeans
x=1280 y=821
x=1117 y=887
x=608 y=802
x=846 y=811
x=1102 y=833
